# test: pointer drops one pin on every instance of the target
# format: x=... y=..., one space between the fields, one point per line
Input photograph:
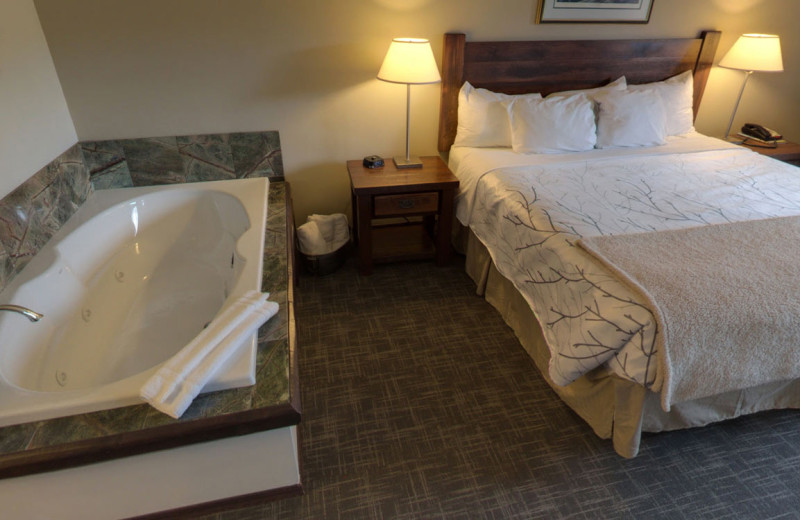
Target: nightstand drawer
x=390 y=205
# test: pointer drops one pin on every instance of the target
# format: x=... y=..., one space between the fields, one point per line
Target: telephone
x=759 y=133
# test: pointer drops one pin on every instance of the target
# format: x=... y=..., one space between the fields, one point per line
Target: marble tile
x=276 y=327
x=6 y=267
x=257 y=154
x=206 y=157
x=153 y=161
x=99 y=156
x=64 y=429
x=116 y=420
x=226 y=401
x=72 y=184
x=106 y=163
x=272 y=380
x=15 y=222
x=153 y=418
x=277 y=199
x=119 y=177
x=18 y=437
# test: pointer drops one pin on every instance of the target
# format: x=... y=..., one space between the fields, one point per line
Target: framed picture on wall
x=594 y=11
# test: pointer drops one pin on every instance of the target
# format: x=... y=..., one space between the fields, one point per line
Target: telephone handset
x=760 y=133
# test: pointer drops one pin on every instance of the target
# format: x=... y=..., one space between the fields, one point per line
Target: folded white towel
x=175 y=385
x=178 y=366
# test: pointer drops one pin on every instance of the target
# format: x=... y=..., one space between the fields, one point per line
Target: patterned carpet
x=418 y=402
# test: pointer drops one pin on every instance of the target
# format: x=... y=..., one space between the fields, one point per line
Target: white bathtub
x=131 y=278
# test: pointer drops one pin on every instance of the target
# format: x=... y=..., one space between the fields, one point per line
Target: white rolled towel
x=175 y=385
x=311 y=240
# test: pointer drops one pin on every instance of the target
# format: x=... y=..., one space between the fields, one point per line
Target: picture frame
x=594 y=11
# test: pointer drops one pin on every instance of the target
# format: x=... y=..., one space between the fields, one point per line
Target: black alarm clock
x=373 y=161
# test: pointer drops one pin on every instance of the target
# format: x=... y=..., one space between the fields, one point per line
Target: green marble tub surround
x=272 y=402
x=189 y=158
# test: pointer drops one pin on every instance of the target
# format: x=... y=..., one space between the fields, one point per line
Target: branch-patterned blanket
x=530 y=218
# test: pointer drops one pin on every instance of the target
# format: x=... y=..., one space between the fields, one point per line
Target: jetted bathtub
x=126 y=283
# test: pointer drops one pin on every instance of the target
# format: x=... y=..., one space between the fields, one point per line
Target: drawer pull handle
x=406 y=203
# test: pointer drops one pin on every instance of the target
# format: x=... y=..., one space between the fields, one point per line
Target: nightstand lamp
x=409 y=61
x=752 y=53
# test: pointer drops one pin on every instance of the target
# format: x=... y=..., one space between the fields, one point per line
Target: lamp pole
x=736 y=107
x=408 y=121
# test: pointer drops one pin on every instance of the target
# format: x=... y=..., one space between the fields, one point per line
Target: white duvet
x=530 y=209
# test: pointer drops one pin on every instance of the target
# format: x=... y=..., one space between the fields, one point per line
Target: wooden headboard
x=519 y=67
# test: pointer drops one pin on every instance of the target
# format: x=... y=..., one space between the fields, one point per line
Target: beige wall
x=35 y=125
x=133 y=68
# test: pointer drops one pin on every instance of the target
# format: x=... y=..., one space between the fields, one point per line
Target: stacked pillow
x=483 y=117
x=677 y=95
x=552 y=125
x=631 y=118
x=563 y=122
x=616 y=115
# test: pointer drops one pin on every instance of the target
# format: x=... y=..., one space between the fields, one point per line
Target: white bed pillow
x=677 y=93
x=483 y=118
x=618 y=84
x=631 y=118
x=552 y=125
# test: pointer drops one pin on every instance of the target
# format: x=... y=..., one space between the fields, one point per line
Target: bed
x=540 y=228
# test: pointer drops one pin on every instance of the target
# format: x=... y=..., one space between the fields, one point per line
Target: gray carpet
x=418 y=402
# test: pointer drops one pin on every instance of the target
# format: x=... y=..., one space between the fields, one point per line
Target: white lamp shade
x=755 y=52
x=409 y=61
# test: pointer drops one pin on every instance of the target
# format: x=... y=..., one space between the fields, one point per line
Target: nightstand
x=402 y=214
x=786 y=152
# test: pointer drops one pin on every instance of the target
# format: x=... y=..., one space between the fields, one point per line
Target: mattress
x=530 y=210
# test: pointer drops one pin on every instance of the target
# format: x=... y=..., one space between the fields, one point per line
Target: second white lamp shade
x=755 y=52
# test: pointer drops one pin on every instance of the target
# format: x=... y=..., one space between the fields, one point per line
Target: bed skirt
x=614 y=407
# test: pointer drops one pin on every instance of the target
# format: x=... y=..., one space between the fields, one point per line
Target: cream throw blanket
x=726 y=299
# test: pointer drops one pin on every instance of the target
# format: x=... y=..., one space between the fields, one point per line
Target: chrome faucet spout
x=28 y=313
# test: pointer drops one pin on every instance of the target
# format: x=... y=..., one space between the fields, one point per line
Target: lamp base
x=734 y=139
x=401 y=162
